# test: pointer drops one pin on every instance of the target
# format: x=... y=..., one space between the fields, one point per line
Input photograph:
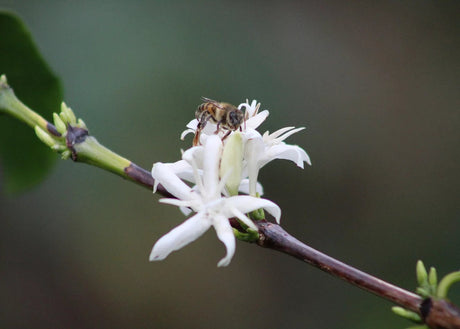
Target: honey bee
x=225 y=115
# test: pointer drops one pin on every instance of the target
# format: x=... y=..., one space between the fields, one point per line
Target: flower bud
x=422 y=275
x=232 y=163
x=59 y=123
x=68 y=113
x=44 y=136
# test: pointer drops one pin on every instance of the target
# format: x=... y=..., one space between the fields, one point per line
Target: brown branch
x=275 y=237
x=440 y=314
x=437 y=314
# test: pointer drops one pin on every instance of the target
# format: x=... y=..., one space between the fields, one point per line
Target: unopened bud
x=81 y=124
x=72 y=119
x=232 y=162
x=406 y=313
x=433 y=278
x=422 y=275
x=65 y=155
x=59 y=123
x=44 y=137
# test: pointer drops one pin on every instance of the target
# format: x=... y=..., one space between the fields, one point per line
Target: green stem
x=87 y=149
x=90 y=151
x=11 y=105
x=82 y=147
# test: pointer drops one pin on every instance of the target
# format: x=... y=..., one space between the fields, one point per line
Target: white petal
x=193 y=124
x=211 y=158
x=292 y=132
x=209 y=129
x=182 y=169
x=194 y=156
x=225 y=234
x=245 y=219
x=287 y=152
x=277 y=133
x=155 y=185
x=185 y=210
x=180 y=236
x=254 y=150
x=179 y=203
x=250 y=108
x=246 y=203
x=244 y=187
x=165 y=176
x=256 y=121
x=249 y=134
x=194 y=153
x=185 y=133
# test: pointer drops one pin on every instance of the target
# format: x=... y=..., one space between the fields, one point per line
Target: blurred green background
x=375 y=83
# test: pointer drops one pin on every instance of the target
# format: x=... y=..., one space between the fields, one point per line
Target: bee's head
x=234 y=119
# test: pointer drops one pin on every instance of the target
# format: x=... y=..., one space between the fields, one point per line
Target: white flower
x=252 y=116
x=206 y=200
x=184 y=170
x=260 y=151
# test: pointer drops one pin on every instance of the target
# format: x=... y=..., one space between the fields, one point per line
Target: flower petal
x=191 y=128
x=267 y=136
x=163 y=174
x=251 y=109
x=250 y=133
x=225 y=234
x=185 y=133
x=254 y=150
x=246 y=203
x=211 y=158
x=287 y=152
x=245 y=219
x=292 y=132
x=194 y=154
x=244 y=187
x=182 y=169
x=179 y=236
x=193 y=124
x=185 y=210
x=256 y=121
x=177 y=202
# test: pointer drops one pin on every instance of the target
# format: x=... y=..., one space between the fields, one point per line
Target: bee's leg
x=196 y=139
x=218 y=127
x=226 y=135
x=203 y=120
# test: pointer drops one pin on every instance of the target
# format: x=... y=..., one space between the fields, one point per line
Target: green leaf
x=24 y=159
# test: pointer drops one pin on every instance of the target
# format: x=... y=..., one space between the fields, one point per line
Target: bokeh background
x=376 y=84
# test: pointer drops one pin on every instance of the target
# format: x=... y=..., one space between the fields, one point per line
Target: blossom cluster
x=217 y=180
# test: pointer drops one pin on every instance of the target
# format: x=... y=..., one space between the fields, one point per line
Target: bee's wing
x=209 y=100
